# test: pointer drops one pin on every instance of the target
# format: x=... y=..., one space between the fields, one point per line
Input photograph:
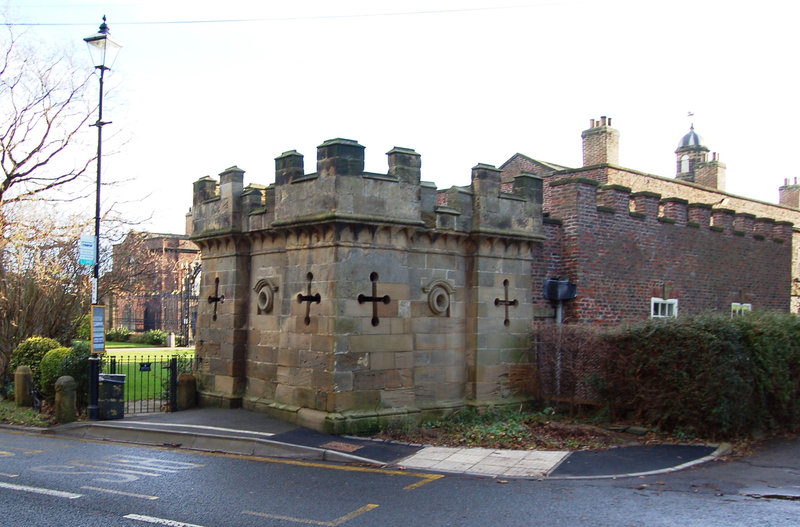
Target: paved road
x=66 y=482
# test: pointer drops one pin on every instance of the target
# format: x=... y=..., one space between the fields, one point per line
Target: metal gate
x=151 y=382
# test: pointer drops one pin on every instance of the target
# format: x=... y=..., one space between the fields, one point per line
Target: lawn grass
x=151 y=353
x=123 y=345
x=143 y=385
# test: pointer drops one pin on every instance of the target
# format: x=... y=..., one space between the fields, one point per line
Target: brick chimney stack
x=790 y=194
x=600 y=143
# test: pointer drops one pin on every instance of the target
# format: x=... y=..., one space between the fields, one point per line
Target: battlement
x=573 y=196
x=341 y=191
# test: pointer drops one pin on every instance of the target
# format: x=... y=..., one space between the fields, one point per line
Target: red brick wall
x=620 y=259
x=546 y=263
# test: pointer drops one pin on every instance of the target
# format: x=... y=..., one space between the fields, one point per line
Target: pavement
x=256 y=434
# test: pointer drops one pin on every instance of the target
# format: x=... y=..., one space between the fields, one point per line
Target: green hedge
x=73 y=361
x=52 y=368
x=712 y=375
x=30 y=352
x=119 y=334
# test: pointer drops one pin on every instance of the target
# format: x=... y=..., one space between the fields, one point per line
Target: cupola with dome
x=693 y=164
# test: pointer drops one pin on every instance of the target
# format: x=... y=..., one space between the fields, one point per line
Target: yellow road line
x=424 y=477
x=338 y=521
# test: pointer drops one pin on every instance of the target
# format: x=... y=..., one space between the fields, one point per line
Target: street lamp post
x=103 y=50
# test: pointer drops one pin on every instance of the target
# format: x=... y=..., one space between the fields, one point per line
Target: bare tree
x=43 y=111
x=43 y=114
x=135 y=267
x=43 y=289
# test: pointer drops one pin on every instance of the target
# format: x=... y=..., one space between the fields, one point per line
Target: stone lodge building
x=345 y=300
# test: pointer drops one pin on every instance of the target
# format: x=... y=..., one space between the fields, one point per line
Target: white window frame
x=663 y=308
x=684 y=164
x=738 y=310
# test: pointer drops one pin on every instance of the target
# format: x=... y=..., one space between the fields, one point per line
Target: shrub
x=76 y=365
x=30 y=352
x=84 y=331
x=155 y=337
x=52 y=367
x=709 y=375
x=120 y=334
x=567 y=360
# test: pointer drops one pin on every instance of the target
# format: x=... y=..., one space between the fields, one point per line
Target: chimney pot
x=609 y=121
x=602 y=120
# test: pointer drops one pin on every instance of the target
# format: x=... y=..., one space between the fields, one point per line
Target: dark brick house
x=149 y=276
x=638 y=245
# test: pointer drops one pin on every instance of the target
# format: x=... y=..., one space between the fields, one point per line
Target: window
x=737 y=309
x=684 y=163
x=660 y=308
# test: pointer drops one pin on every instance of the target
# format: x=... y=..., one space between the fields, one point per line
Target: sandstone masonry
x=344 y=300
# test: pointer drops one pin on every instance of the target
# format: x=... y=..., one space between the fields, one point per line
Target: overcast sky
x=460 y=81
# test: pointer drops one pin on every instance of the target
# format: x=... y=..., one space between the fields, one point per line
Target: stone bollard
x=65 y=399
x=23 y=382
x=187 y=391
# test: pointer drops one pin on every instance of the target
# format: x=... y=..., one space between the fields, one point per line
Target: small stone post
x=187 y=391
x=65 y=399
x=23 y=382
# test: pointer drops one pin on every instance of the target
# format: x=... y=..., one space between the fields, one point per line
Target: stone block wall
x=353 y=298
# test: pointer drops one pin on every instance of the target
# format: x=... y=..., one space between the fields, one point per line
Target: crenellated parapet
x=341 y=191
x=571 y=196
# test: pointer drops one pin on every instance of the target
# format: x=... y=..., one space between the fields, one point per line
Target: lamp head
x=102 y=47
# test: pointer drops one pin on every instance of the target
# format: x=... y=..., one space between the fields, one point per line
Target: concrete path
x=253 y=433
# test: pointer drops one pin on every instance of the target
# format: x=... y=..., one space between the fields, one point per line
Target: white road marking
x=108 y=466
x=109 y=477
x=159 y=521
x=9 y=475
x=161 y=465
x=215 y=428
x=37 y=490
x=121 y=493
x=120 y=469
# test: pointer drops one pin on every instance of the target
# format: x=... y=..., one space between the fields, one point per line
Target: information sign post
x=98 y=323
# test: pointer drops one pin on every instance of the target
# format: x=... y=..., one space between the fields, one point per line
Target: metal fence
x=150 y=380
